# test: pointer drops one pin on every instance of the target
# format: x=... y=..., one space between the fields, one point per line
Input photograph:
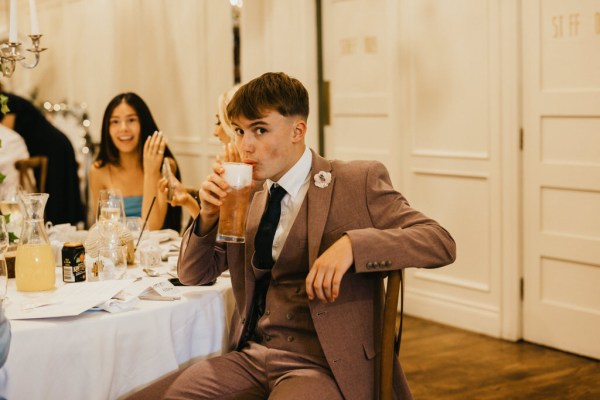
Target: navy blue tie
x=263 y=241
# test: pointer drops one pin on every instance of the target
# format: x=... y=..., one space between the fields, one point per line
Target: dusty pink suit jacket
x=386 y=234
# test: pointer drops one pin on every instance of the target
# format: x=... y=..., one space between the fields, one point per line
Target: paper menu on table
x=67 y=300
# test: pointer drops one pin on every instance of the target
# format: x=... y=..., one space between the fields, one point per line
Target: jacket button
x=376 y=264
x=267 y=312
x=289 y=316
x=388 y=263
x=369 y=265
x=290 y=338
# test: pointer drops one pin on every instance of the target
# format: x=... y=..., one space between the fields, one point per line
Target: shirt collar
x=293 y=180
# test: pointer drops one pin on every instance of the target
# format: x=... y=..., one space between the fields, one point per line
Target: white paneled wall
x=451 y=99
x=278 y=36
x=177 y=55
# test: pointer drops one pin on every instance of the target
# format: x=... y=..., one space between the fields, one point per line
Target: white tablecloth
x=98 y=355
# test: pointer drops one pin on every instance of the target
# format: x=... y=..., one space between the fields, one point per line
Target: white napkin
x=126 y=299
x=117 y=305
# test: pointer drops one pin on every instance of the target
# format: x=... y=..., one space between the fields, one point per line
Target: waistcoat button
x=290 y=338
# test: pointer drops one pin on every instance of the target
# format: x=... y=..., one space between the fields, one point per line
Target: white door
x=357 y=42
x=561 y=183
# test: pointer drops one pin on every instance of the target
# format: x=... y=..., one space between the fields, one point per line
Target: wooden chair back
x=390 y=342
x=27 y=168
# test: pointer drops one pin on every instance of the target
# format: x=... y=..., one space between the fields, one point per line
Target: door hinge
x=522 y=289
x=521 y=138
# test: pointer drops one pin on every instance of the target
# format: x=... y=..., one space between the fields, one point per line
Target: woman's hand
x=154 y=150
x=181 y=197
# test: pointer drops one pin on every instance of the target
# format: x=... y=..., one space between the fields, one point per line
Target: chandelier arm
x=34 y=63
x=9 y=55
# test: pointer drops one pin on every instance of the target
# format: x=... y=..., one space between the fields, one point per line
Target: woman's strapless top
x=133 y=206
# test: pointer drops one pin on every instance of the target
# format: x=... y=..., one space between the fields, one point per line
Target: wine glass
x=110 y=218
x=3 y=268
x=110 y=194
x=113 y=200
x=11 y=209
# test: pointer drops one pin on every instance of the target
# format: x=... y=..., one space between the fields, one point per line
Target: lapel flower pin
x=322 y=179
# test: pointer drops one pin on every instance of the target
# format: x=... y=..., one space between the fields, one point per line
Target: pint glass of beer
x=232 y=219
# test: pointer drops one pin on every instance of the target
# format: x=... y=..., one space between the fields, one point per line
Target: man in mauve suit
x=306 y=321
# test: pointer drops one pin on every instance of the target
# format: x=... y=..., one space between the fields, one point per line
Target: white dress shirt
x=295 y=182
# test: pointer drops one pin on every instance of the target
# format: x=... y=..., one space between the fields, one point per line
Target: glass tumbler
x=112 y=261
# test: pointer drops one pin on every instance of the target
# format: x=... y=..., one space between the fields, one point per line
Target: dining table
x=109 y=355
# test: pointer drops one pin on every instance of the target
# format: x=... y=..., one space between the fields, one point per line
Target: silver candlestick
x=10 y=55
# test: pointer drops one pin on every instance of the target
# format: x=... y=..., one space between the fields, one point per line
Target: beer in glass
x=232 y=218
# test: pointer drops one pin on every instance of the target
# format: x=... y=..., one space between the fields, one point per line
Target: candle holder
x=10 y=55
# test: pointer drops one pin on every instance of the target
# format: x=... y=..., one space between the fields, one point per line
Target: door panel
x=561 y=159
x=357 y=35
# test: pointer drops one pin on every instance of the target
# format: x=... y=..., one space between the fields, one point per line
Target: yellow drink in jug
x=34 y=267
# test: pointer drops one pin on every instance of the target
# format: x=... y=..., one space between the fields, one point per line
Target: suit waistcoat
x=287 y=323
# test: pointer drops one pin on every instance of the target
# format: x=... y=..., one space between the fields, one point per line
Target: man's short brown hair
x=271 y=91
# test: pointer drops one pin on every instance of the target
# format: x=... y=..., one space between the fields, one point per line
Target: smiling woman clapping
x=131 y=154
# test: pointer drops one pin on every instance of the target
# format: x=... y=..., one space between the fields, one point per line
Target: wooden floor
x=441 y=362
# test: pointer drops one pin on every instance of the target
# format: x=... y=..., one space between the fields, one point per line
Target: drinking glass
x=113 y=199
x=110 y=217
x=110 y=194
x=10 y=208
x=3 y=279
x=232 y=217
x=113 y=261
x=3 y=267
x=3 y=235
x=135 y=225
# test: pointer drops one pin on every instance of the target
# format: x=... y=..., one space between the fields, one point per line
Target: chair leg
x=387 y=353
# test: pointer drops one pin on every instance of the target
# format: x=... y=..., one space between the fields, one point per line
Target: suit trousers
x=257 y=372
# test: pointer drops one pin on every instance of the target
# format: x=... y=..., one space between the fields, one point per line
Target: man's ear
x=299 y=130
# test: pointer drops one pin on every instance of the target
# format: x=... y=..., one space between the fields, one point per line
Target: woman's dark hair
x=109 y=154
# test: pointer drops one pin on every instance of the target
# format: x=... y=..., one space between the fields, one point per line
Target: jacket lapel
x=319 y=200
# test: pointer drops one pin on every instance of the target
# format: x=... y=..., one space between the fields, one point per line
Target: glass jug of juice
x=34 y=263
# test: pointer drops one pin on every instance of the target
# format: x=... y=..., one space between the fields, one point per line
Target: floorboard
x=442 y=362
